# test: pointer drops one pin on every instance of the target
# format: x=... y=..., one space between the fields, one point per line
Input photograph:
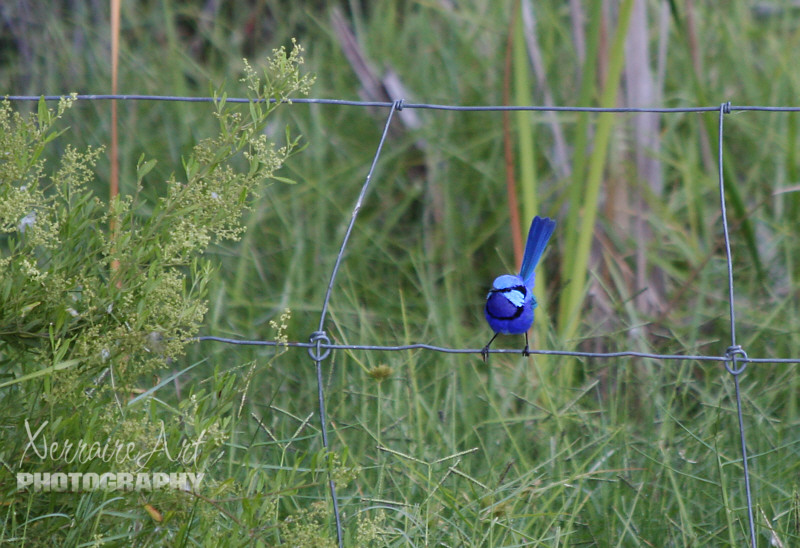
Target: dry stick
x=114 y=182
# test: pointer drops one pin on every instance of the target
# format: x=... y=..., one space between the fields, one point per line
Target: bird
x=510 y=302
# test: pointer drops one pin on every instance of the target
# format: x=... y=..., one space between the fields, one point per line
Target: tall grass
x=556 y=452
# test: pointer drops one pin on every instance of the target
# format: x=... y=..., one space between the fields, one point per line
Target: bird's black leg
x=525 y=351
x=485 y=351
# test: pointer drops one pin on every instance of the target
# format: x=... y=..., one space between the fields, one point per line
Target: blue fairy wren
x=510 y=302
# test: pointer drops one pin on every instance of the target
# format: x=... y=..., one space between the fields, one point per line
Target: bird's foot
x=525 y=351
x=485 y=349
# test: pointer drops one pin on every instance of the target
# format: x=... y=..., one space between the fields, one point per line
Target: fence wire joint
x=319 y=338
x=733 y=354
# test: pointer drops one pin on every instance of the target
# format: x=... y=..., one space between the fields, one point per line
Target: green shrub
x=96 y=298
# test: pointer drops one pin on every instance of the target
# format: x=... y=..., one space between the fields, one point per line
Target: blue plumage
x=510 y=302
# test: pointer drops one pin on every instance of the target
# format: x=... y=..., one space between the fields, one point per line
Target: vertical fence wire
x=734 y=351
x=319 y=336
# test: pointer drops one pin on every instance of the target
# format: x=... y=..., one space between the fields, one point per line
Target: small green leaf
x=144 y=167
x=43 y=114
x=190 y=167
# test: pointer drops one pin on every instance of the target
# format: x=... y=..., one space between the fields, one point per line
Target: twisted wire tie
x=731 y=354
x=318 y=338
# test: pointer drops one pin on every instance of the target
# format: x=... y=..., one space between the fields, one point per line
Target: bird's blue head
x=512 y=288
x=507 y=281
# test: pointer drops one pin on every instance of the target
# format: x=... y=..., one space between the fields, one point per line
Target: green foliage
x=127 y=297
x=95 y=298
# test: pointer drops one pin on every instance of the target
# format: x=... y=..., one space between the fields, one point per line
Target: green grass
x=446 y=450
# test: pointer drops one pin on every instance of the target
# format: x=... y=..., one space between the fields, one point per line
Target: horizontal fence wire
x=319 y=346
x=532 y=351
x=403 y=104
x=540 y=352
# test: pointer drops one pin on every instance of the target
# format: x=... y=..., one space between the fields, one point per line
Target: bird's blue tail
x=538 y=236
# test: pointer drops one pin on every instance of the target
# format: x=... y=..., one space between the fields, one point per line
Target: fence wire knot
x=320 y=338
x=731 y=354
x=726 y=107
x=398 y=105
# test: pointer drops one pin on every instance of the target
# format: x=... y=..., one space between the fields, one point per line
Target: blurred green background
x=618 y=452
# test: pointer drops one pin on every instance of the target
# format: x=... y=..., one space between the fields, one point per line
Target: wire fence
x=319 y=346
